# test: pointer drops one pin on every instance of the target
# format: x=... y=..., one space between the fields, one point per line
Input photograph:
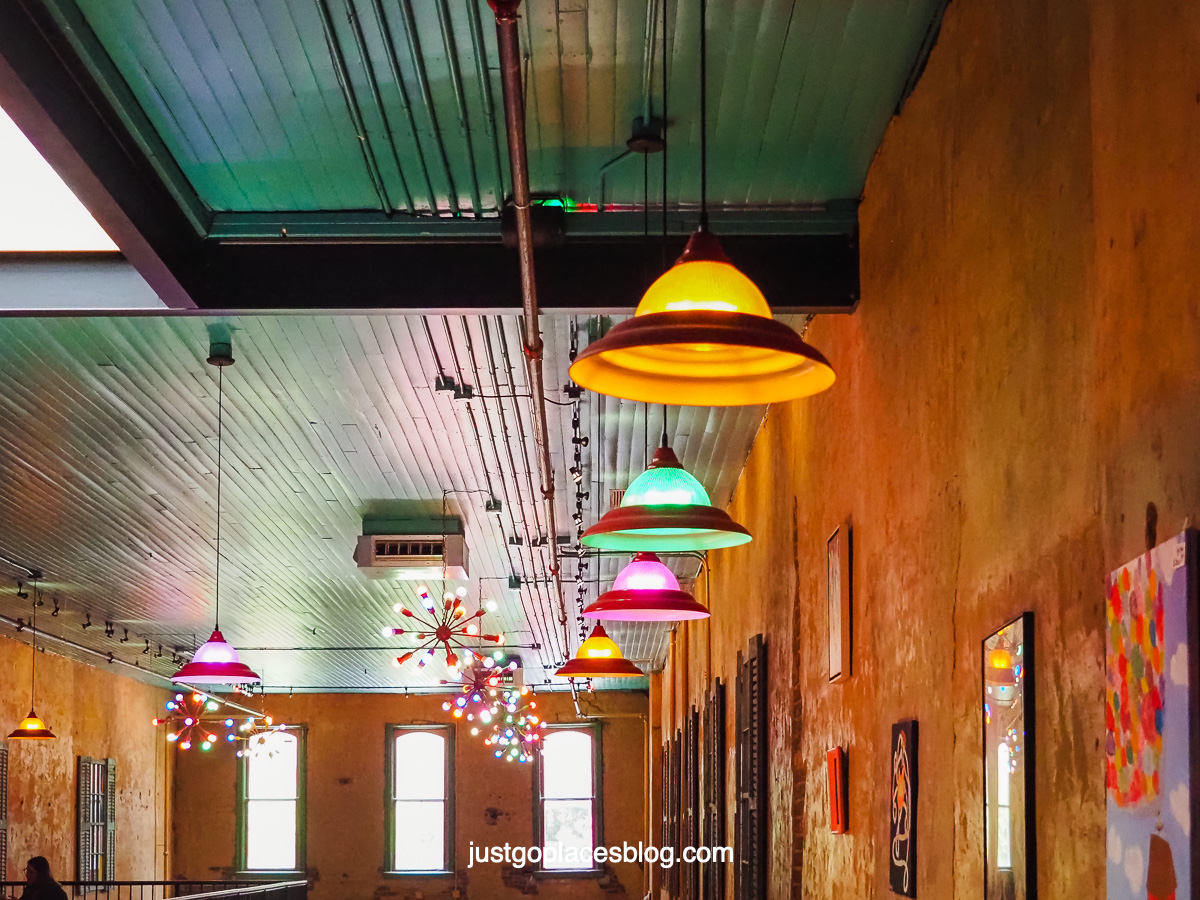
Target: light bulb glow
x=646 y=573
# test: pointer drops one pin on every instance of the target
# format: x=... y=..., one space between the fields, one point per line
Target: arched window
x=420 y=822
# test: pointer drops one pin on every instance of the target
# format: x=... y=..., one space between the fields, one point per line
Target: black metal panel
x=150 y=211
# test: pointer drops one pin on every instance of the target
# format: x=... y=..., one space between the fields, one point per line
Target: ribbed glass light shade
x=599 y=657
x=645 y=573
x=703 y=335
x=704 y=284
x=665 y=508
x=659 y=485
x=216 y=662
x=32 y=728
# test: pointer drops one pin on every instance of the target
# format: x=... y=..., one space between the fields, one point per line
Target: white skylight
x=38 y=211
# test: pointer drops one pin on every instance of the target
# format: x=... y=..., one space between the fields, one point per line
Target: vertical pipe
x=514 y=118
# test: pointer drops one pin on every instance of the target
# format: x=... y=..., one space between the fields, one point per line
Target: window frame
x=391 y=732
x=95 y=816
x=595 y=732
x=239 y=863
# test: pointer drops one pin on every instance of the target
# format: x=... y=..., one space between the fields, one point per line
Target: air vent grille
x=392 y=549
x=615 y=496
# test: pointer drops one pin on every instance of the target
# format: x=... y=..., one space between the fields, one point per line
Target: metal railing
x=167 y=890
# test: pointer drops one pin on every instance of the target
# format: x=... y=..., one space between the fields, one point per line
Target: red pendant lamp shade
x=646 y=591
x=216 y=662
x=665 y=508
x=599 y=657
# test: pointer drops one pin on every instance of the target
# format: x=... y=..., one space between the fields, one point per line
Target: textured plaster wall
x=1019 y=383
x=94 y=713
x=346 y=839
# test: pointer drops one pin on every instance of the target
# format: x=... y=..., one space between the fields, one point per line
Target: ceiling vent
x=411 y=557
x=615 y=496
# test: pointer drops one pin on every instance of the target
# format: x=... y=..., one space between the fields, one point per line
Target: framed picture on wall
x=902 y=810
x=838 y=601
x=1152 y=723
x=1009 y=857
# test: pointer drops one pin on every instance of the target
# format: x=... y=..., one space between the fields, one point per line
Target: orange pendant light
x=703 y=334
x=32 y=728
x=599 y=657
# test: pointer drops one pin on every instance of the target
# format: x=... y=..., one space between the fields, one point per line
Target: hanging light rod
x=703 y=333
x=216 y=661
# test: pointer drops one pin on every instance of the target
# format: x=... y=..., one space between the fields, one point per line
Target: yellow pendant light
x=703 y=334
x=599 y=657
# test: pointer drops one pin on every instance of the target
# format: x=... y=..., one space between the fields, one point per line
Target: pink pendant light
x=646 y=591
x=216 y=661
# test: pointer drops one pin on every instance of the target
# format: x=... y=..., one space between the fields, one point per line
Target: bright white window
x=568 y=798
x=1003 y=808
x=420 y=770
x=272 y=802
x=37 y=211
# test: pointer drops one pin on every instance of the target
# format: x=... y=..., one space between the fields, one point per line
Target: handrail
x=167 y=890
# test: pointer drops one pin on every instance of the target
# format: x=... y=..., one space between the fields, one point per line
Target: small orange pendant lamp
x=32 y=728
x=703 y=334
x=599 y=657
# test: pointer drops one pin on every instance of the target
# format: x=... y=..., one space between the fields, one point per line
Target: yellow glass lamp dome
x=32 y=728
x=703 y=335
x=599 y=657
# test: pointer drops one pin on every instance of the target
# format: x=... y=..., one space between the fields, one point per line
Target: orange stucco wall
x=345 y=812
x=1018 y=384
x=95 y=713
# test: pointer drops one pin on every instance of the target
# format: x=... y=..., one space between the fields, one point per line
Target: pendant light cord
x=704 y=115
x=33 y=644
x=220 y=423
x=664 y=135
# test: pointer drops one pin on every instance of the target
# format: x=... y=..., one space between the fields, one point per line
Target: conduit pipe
x=46 y=637
x=509 y=44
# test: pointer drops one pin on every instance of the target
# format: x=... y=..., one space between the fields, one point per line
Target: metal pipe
x=389 y=46
x=509 y=43
x=360 y=42
x=414 y=48
x=343 y=79
x=456 y=82
x=479 y=51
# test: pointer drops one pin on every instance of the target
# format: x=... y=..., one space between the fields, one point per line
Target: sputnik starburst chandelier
x=516 y=727
x=196 y=718
x=444 y=627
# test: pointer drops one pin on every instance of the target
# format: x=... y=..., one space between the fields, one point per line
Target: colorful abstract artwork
x=902 y=827
x=1150 y=657
x=1010 y=857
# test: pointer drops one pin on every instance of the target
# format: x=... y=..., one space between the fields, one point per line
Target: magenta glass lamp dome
x=216 y=662
x=646 y=591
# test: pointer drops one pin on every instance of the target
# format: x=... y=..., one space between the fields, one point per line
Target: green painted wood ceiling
x=359 y=105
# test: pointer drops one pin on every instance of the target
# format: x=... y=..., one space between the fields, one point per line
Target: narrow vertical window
x=272 y=782
x=96 y=819
x=567 y=782
x=420 y=820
